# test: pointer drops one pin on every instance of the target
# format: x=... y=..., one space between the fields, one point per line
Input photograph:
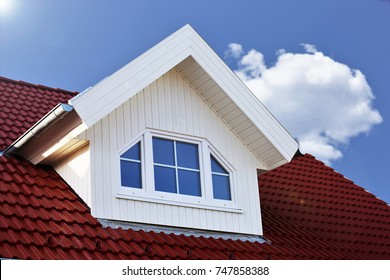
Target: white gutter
x=57 y=113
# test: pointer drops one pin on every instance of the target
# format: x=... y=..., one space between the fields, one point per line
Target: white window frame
x=148 y=192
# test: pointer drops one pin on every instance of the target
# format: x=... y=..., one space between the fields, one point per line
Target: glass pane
x=131 y=174
x=133 y=153
x=189 y=183
x=165 y=179
x=187 y=155
x=221 y=187
x=163 y=151
x=216 y=167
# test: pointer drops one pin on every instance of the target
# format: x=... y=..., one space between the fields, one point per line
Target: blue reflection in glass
x=131 y=174
x=165 y=179
x=216 y=167
x=189 y=183
x=163 y=151
x=221 y=187
x=187 y=155
x=133 y=153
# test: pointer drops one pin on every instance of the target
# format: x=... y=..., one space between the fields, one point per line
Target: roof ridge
x=9 y=80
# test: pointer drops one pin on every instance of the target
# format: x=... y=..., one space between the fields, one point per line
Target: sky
x=321 y=67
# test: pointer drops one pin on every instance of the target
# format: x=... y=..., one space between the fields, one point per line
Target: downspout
x=58 y=112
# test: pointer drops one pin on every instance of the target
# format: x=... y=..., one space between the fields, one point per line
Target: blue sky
x=340 y=50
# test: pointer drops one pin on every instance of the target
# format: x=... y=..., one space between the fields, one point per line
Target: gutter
x=57 y=113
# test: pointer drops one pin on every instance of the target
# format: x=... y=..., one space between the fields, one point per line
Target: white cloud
x=234 y=50
x=252 y=64
x=309 y=48
x=322 y=102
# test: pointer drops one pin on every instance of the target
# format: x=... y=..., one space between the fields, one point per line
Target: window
x=221 y=182
x=169 y=168
x=131 y=167
x=176 y=167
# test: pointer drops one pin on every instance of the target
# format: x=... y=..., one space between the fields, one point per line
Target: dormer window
x=176 y=169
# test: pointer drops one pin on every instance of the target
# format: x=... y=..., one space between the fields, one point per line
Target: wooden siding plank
x=148 y=107
x=160 y=93
x=238 y=120
x=99 y=171
x=259 y=141
x=192 y=67
x=197 y=73
x=120 y=125
x=168 y=100
x=216 y=98
x=182 y=66
x=109 y=155
x=236 y=113
x=250 y=134
x=261 y=146
x=141 y=111
x=230 y=107
x=222 y=104
x=207 y=85
x=181 y=103
x=155 y=105
x=194 y=98
x=243 y=126
x=207 y=94
x=134 y=117
x=187 y=93
x=204 y=78
x=127 y=121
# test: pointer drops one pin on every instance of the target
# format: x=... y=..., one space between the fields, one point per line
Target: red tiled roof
x=319 y=213
x=309 y=211
x=23 y=104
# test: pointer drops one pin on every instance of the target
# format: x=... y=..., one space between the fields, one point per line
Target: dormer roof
x=187 y=52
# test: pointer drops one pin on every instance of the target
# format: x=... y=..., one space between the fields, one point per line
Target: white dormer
x=174 y=138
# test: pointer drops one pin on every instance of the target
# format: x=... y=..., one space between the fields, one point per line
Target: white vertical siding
x=171 y=103
x=75 y=170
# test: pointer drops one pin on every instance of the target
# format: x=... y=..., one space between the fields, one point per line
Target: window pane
x=163 y=151
x=131 y=174
x=165 y=179
x=221 y=187
x=216 y=167
x=189 y=183
x=187 y=155
x=133 y=153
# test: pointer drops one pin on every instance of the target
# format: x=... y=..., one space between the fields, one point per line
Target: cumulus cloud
x=234 y=50
x=309 y=48
x=322 y=102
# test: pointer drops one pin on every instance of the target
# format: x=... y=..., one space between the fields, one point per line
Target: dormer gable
x=174 y=138
x=225 y=93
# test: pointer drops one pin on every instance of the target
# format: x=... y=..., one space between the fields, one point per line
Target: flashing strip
x=58 y=112
x=185 y=231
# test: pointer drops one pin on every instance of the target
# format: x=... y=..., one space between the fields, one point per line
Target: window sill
x=200 y=205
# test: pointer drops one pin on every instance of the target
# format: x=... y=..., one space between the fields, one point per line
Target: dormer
x=174 y=139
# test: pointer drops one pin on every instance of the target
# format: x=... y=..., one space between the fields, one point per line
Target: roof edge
x=20 y=82
x=58 y=112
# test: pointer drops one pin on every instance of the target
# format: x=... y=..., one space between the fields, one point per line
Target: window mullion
x=176 y=169
x=208 y=190
x=148 y=164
